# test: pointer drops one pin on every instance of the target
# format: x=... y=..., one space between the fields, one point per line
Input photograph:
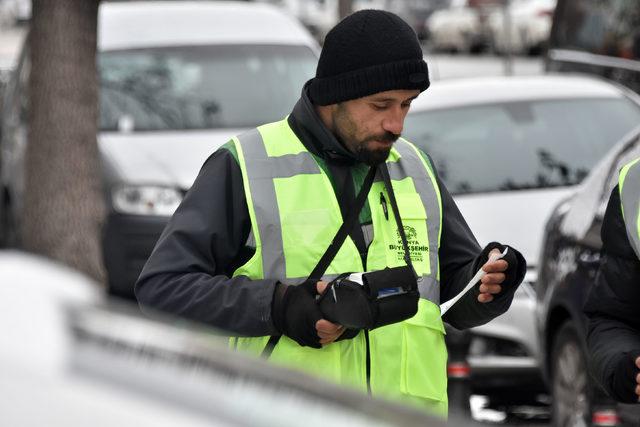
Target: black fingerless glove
x=348 y=334
x=517 y=265
x=380 y=298
x=624 y=378
x=295 y=313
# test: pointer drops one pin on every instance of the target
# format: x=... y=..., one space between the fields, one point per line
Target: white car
x=318 y=16
x=509 y=149
x=15 y=11
x=529 y=22
x=459 y=28
x=177 y=80
x=69 y=357
x=42 y=383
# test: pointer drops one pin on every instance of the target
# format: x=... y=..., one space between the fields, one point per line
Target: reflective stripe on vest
x=629 y=189
x=261 y=171
x=412 y=161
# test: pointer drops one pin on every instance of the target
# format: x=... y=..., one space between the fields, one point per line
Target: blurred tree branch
x=64 y=205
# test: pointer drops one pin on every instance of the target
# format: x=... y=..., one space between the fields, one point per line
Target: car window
x=583 y=219
x=520 y=145
x=200 y=87
x=600 y=27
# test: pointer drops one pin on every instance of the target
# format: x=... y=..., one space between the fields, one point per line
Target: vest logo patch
x=416 y=249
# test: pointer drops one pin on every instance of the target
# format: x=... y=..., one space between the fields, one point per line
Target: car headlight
x=146 y=200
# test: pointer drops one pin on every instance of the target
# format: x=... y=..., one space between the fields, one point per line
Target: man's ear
x=326 y=113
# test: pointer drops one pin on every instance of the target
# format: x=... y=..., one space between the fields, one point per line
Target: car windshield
x=520 y=145
x=200 y=87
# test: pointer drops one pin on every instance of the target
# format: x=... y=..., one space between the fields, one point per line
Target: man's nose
x=394 y=121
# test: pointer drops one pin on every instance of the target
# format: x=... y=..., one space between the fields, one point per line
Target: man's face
x=369 y=126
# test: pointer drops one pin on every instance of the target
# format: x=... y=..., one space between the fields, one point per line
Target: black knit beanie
x=368 y=52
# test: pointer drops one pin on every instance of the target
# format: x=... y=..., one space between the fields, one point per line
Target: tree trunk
x=345 y=8
x=64 y=205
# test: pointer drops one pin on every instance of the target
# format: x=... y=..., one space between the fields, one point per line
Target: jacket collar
x=319 y=140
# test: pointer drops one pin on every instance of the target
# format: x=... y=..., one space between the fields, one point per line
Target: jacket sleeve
x=460 y=258
x=189 y=271
x=612 y=304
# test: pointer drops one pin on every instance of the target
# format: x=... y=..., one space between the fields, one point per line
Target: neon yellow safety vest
x=629 y=189
x=294 y=217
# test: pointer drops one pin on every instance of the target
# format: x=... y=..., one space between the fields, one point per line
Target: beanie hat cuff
x=407 y=74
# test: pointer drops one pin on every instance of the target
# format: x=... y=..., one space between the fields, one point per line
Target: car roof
x=491 y=90
x=141 y=24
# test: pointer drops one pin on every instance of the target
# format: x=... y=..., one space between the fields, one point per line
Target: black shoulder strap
x=396 y=213
x=333 y=248
x=343 y=232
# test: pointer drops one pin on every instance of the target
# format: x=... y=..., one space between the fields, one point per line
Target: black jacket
x=613 y=307
x=189 y=272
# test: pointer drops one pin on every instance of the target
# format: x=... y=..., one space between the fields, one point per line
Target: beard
x=345 y=129
x=372 y=156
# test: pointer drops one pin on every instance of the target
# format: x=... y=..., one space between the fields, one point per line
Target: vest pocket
x=410 y=206
x=424 y=355
x=414 y=221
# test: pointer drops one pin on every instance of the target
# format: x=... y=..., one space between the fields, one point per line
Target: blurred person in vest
x=239 y=251
x=613 y=303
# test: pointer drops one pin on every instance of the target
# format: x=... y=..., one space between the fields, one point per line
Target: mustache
x=385 y=137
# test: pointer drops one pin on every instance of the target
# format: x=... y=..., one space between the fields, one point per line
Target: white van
x=177 y=80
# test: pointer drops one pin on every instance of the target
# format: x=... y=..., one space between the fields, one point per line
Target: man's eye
x=379 y=106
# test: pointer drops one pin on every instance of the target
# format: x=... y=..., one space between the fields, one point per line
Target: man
x=612 y=305
x=266 y=206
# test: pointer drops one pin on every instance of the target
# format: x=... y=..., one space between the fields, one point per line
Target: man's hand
x=295 y=313
x=327 y=331
x=490 y=284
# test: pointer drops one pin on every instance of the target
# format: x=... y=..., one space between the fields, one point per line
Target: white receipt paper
x=445 y=306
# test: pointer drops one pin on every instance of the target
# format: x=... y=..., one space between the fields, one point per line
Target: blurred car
x=568 y=266
x=177 y=80
x=597 y=37
x=509 y=149
x=15 y=11
x=318 y=16
x=529 y=23
x=417 y=12
x=414 y=12
x=6 y=68
x=462 y=27
x=71 y=358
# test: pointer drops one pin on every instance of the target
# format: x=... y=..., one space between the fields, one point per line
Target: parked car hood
x=516 y=218
x=39 y=356
x=163 y=158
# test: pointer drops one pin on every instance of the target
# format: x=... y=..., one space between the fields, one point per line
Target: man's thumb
x=321 y=286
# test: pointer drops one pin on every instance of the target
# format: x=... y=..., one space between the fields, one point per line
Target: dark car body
x=597 y=37
x=568 y=265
